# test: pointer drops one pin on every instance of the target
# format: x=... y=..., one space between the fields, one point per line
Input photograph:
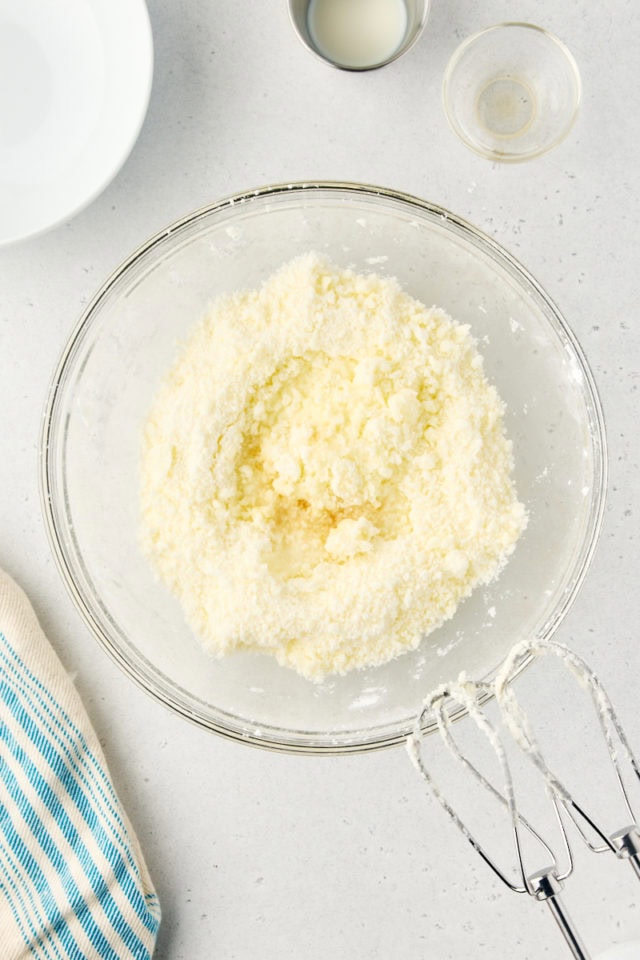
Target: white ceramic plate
x=75 y=79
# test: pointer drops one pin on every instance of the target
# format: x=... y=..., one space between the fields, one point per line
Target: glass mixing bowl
x=126 y=340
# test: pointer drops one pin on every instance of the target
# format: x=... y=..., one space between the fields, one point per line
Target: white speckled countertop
x=262 y=855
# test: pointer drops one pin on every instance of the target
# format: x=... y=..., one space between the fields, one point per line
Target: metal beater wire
x=625 y=843
x=466 y=694
x=544 y=885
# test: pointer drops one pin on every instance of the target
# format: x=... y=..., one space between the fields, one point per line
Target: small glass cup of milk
x=358 y=34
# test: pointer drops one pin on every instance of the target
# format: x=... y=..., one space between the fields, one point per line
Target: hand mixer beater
x=543 y=884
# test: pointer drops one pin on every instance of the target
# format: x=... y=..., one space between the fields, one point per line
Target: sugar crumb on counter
x=325 y=473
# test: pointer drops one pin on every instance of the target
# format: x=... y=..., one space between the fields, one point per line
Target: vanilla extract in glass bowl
x=511 y=92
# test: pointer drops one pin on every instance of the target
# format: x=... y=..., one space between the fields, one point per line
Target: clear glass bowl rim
x=457 y=56
x=167 y=693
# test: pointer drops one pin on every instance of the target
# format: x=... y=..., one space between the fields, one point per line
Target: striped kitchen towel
x=73 y=883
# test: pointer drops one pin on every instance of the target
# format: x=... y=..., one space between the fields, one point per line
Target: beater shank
x=545 y=887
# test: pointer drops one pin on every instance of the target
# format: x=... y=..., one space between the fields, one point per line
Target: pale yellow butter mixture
x=325 y=473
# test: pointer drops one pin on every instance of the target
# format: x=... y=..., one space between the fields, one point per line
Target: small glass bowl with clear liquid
x=512 y=91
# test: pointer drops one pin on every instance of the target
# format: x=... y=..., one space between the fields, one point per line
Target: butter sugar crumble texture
x=325 y=473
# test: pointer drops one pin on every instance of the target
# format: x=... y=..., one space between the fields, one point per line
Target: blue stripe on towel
x=63 y=721
x=56 y=861
x=85 y=772
x=33 y=871
x=146 y=907
x=57 y=811
x=34 y=937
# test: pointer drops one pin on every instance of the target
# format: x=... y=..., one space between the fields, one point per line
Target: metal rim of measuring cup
x=298 y=12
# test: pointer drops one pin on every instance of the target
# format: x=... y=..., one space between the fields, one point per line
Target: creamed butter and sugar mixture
x=325 y=472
